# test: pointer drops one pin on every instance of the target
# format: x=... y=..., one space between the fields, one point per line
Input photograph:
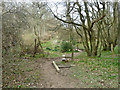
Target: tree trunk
x=35 y=49
x=39 y=44
x=119 y=30
x=70 y=27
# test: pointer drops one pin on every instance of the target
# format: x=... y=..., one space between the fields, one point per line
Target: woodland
x=65 y=44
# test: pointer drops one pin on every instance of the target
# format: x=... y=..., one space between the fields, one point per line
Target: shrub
x=56 y=48
x=74 y=42
x=47 y=48
x=66 y=46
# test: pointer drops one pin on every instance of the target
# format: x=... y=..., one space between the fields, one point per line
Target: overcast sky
x=51 y=3
x=48 y=0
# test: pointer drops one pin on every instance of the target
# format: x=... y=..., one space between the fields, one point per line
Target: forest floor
x=50 y=78
x=38 y=73
x=88 y=72
x=53 y=79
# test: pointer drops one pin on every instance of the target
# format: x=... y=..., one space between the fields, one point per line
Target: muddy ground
x=54 y=79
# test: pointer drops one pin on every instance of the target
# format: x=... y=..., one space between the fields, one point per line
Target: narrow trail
x=53 y=79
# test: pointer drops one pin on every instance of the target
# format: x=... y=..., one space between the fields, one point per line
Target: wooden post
x=72 y=54
x=35 y=48
x=56 y=67
x=77 y=47
x=112 y=51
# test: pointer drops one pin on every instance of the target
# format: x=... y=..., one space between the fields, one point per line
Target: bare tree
x=70 y=27
x=89 y=39
x=20 y=18
x=13 y=18
x=110 y=26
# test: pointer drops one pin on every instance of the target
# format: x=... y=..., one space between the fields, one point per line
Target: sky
x=51 y=3
x=33 y=0
x=46 y=0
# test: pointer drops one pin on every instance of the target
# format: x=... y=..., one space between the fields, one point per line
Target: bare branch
x=76 y=28
x=72 y=8
x=70 y=22
x=96 y=21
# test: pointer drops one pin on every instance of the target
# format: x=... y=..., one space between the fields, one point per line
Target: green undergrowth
x=98 y=72
x=20 y=73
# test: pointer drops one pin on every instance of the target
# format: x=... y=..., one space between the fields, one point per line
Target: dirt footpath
x=53 y=79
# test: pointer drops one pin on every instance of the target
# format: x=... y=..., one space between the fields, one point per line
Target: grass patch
x=54 y=54
x=98 y=72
